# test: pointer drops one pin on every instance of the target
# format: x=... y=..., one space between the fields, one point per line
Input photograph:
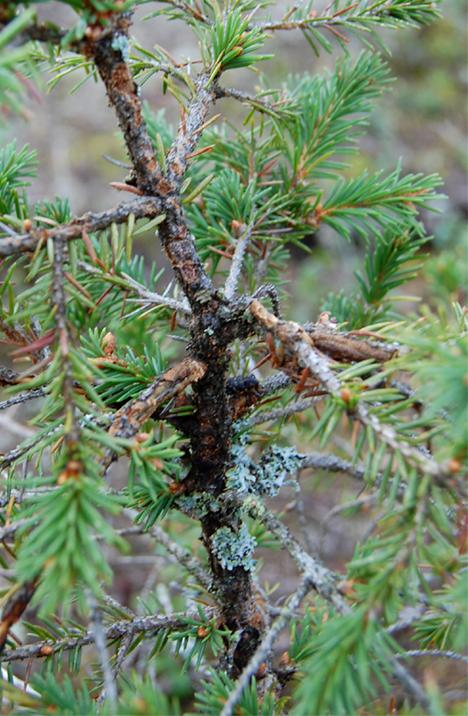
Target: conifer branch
x=266 y=645
x=360 y=16
x=117 y=630
x=237 y=262
x=123 y=95
x=296 y=339
x=321 y=579
x=91 y=222
x=245 y=194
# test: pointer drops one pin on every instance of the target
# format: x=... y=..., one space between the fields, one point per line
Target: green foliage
x=371 y=203
x=386 y=267
x=390 y=261
x=63 y=548
x=446 y=625
x=364 y=18
x=232 y=43
x=216 y=691
x=332 y=113
x=124 y=375
x=16 y=167
x=61 y=697
x=350 y=656
x=12 y=88
x=141 y=696
x=440 y=350
x=92 y=325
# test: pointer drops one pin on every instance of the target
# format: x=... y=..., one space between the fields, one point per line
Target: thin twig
x=424 y=653
x=142 y=207
x=237 y=262
x=411 y=686
x=182 y=556
x=110 y=689
x=22 y=398
x=128 y=283
x=139 y=625
x=297 y=406
x=322 y=579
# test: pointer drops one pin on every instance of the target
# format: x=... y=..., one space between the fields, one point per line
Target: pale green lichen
x=197 y=505
x=234 y=549
x=268 y=476
x=120 y=42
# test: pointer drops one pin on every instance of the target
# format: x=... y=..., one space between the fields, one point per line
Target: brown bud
x=346 y=587
x=237 y=227
x=27 y=225
x=257 y=621
x=176 y=488
x=261 y=671
x=141 y=437
x=202 y=632
x=454 y=466
x=108 y=344
x=93 y=32
x=285 y=659
x=72 y=470
x=46 y=650
x=346 y=395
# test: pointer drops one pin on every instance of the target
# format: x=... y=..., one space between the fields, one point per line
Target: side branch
x=320 y=578
x=190 y=130
x=108 y=52
x=141 y=207
x=128 y=420
x=140 y=625
x=300 y=352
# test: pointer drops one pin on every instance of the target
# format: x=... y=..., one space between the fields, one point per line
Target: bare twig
x=183 y=557
x=22 y=398
x=237 y=262
x=141 y=207
x=139 y=625
x=321 y=579
x=411 y=686
x=190 y=129
x=151 y=297
x=298 y=406
x=126 y=282
x=128 y=420
x=424 y=653
x=110 y=689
